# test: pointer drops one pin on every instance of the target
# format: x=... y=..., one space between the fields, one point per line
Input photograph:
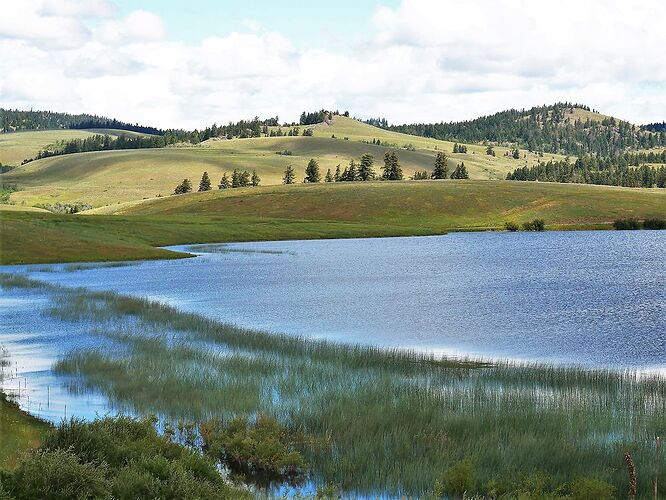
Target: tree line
x=238 y=179
x=99 y=142
x=544 y=129
x=627 y=169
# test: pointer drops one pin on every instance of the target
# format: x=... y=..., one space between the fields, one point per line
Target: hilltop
x=563 y=128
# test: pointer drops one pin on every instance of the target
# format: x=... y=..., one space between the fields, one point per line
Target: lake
x=596 y=299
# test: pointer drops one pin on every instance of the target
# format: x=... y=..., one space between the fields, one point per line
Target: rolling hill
x=110 y=177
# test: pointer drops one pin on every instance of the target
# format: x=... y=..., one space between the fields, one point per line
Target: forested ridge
x=549 y=129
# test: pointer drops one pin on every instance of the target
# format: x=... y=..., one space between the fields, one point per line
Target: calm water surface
x=592 y=298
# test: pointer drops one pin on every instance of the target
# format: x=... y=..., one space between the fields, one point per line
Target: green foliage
x=289 y=175
x=225 y=183
x=654 y=223
x=490 y=151
x=392 y=169
x=312 y=171
x=421 y=175
x=115 y=458
x=260 y=448
x=459 y=148
x=255 y=180
x=511 y=226
x=366 y=171
x=5 y=193
x=329 y=176
x=627 y=224
x=535 y=225
x=591 y=489
x=457 y=481
x=460 y=172
x=204 y=184
x=183 y=187
x=441 y=170
x=65 y=208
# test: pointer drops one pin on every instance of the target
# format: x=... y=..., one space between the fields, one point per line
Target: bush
x=591 y=489
x=511 y=226
x=654 y=223
x=58 y=474
x=115 y=458
x=625 y=224
x=261 y=449
x=458 y=480
x=535 y=225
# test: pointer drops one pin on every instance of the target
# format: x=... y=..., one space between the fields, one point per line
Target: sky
x=190 y=64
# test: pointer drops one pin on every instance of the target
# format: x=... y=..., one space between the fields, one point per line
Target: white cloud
x=421 y=61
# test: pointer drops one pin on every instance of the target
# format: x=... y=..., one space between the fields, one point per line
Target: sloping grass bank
x=341 y=210
x=372 y=420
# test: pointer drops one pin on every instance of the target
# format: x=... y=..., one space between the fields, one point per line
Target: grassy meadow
x=111 y=177
x=372 y=420
x=342 y=210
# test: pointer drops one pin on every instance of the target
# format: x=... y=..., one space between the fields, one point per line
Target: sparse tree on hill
x=225 y=183
x=490 y=151
x=255 y=178
x=460 y=172
x=183 y=187
x=244 y=180
x=235 y=179
x=204 y=184
x=516 y=154
x=289 y=175
x=441 y=170
x=312 y=171
x=392 y=170
x=329 y=176
x=337 y=177
x=350 y=173
x=366 y=171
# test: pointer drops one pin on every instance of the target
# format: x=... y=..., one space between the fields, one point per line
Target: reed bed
x=370 y=420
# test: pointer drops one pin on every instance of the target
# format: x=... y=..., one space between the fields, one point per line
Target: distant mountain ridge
x=563 y=128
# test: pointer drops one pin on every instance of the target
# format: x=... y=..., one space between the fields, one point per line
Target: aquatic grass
x=224 y=248
x=368 y=419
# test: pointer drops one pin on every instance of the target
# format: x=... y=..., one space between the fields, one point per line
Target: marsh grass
x=368 y=419
x=221 y=248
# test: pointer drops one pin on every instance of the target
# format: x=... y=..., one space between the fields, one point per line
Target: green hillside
x=305 y=211
x=110 y=177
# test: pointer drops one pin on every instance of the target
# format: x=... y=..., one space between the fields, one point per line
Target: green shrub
x=261 y=449
x=585 y=488
x=57 y=474
x=535 y=225
x=459 y=480
x=626 y=224
x=654 y=223
x=511 y=226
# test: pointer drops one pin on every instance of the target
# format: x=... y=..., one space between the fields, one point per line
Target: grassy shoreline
x=371 y=420
x=344 y=210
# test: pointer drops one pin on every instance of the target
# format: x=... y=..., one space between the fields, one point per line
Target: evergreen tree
x=329 y=176
x=289 y=175
x=225 y=183
x=490 y=151
x=460 y=172
x=235 y=179
x=244 y=179
x=350 y=172
x=312 y=171
x=366 y=171
x=337 y=175
x=392 y=170
x=183 y=187
x=204 y=184
x=255 y=178
x=516 y=154
x=441 y=170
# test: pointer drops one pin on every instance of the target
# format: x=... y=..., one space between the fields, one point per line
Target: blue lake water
x=590 y=298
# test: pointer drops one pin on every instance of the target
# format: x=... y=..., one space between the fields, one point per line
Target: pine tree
x=289 y=175
x=329 y=176
x=460 y=172
x=392 y=170
x=365 y=170
x=441 y=170
x=516 y=154
x=235 y=179
x=350 y=172
x=183 y=187
x=312 y=171
x=225 y=183
x=337 y=176
x=204 y=184
x=244 y=179
x=490 y=151
x=255 y=178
